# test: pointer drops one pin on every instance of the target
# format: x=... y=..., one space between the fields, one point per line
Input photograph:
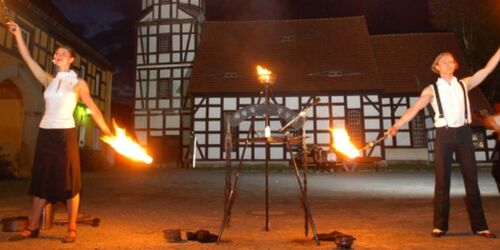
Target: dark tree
x=475 y=23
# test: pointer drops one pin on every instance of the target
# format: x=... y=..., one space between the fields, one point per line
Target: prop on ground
x=343 y=241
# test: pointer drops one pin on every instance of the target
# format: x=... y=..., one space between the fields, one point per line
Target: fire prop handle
x=6 y=11
x=375 y=142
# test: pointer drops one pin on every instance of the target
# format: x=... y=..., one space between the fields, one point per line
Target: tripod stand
x=229 y=201
x=231 y=188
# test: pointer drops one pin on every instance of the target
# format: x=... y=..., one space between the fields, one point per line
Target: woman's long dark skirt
x=56 y=165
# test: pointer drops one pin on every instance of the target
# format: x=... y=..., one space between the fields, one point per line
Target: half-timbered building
x=21 y=101
x=167 y=37
x=364 y=83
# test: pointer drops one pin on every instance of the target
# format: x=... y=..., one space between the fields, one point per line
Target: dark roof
x=317 y=55
x=404 y=62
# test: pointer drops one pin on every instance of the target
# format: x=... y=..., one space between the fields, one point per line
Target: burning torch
x=375 y=142
x=6 y=12
x=343 y=144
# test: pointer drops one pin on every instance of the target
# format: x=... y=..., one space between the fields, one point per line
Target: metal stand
x=302 y=190
x=266 y=78
x=266 y=100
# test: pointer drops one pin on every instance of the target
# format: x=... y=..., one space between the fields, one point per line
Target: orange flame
x=265 y=75
x=124 y=145
x=342 y=143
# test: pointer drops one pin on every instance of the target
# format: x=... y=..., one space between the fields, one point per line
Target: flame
x=342 y=143
x=265 y=75
x=124 y=145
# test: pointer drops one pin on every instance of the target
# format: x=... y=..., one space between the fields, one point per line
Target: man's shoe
x=438 y=233
x=486 y=234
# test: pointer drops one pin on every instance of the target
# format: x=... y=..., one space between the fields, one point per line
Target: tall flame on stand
x=265 y=75
x=342 y=143
x=124 y=145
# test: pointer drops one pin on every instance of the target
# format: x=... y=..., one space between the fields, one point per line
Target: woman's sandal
x=70 y=236
x=32 y=234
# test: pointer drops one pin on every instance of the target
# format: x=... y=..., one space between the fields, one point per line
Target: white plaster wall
x=406 y=154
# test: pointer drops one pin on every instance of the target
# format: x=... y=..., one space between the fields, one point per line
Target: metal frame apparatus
x=265 y=110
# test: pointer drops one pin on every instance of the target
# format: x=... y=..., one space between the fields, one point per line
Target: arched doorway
x=21 y=110
x=11 y=111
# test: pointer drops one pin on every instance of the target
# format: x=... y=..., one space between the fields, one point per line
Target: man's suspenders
x=440 y=106
x=466 y=102
x=438 y=101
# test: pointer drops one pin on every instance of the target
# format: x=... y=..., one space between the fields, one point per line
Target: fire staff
x=449 y=100
x=56 y=166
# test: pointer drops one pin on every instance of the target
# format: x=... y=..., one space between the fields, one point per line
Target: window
x=478 y=139
x=83 y=71
x=164 y=88
x=97 y=141
x=355 y=127
x=26 y=37
x=146 y=4
x=419 y=135
x=290 y=38
x=97 y=86
x=164 y=43
x=231 y=75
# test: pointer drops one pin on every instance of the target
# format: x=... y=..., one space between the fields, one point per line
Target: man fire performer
x=56 y=166
x=492 y=122
x=450 y=102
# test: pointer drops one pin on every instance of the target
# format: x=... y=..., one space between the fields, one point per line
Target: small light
x=267 y=131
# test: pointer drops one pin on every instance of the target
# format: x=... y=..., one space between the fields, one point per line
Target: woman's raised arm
x=43 y=77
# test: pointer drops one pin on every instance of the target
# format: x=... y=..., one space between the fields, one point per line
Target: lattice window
x=164 y=43
x=97 y=87
x=97 y=139
x=26 y=37
x=164 y=88
x=83 y=71
x=355 y=126
x=419 y=135
x=478 y=139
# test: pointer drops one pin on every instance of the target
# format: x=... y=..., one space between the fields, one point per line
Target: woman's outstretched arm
x=43 y=77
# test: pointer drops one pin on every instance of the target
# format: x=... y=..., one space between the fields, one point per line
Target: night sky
x=110 y=26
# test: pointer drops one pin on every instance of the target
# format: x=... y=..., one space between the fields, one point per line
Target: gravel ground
x=384 y=210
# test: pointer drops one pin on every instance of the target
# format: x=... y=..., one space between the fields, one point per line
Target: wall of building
x=42 y=41
x=356 y=113
x=167 y=37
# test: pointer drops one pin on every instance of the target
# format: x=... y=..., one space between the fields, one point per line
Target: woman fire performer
x=56 y=166
x=450 y=102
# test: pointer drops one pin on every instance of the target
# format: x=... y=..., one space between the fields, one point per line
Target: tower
x=167 y=36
